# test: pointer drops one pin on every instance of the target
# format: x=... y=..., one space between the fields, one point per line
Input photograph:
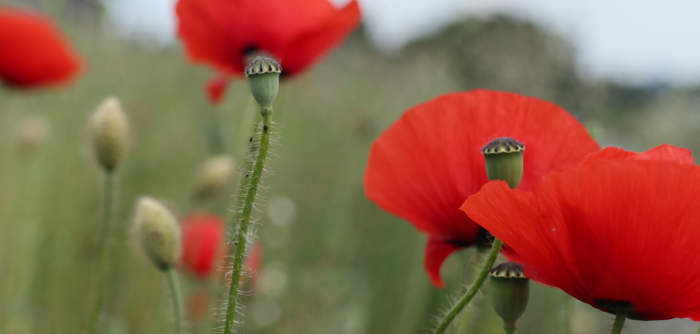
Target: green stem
x=509 y=327
x=569 y=314
x=175 y=294
x=244 y=220
x=698 y=332
x=619 y=322
x=103 y=249
x=464 y=325
x=214 y=132
x=473 y=289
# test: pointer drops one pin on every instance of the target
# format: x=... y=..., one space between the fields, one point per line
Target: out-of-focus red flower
x=32 y=51
x=216 y=88
x=203 y=246
x=427 y=163
x=295 y=32
x=620 y=230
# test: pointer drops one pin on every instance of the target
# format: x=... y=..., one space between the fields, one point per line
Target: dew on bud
x=108 y=131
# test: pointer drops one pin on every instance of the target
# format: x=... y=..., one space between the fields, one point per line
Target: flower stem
x=509 y=327
x=103 y=249
x=471 y=308
x=175 y=294
x=619 y=322
x=473 y=289
x=569 y=314
x=244 y=219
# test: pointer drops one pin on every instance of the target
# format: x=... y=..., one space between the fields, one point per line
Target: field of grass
x=332 y=262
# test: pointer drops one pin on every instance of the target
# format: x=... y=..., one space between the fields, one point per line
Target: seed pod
x=263 y=74
x=504 y=160
x=509 y=291
x=157 y=233
x=108 y=132
x=213 y=176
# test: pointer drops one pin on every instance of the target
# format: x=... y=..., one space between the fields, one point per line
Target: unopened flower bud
x=263 y=74
x=32 y=133
x=108 y=132
x=504 y=160
x=510 y=291
x=213 y=176
x=157 y=233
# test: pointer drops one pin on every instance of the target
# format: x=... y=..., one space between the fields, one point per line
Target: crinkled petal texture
x=296 y=32
x=427 y=163
x=622 y=230
x=32 y=51
x=202 y=244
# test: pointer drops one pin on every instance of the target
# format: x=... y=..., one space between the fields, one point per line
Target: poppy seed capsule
x=157 y=233
x=263 y=74
x=108 y=131
x=504 y=160
x=214 y=175
x=509 y=291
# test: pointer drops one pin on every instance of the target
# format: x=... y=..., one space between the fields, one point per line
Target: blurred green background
x=332 y=262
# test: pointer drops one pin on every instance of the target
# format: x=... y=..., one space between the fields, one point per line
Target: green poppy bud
x=157 y=233
x=263 y=74
x=108 y=132
x=504 y=160
x=509 y=291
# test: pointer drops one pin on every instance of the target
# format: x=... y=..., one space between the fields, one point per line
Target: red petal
x=32 y=51
x=216 y=89
x=436 y=251
x=202 y=244
x=623 y=230
x=427 y=163
x=663 y=152
x=220 y=32
x=313 y=44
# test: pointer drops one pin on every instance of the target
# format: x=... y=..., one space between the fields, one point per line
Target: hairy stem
x=244 y=219
x=619 y=322
x=175 y=294
x=103 y=249
x=473 y=289
x=471 y=308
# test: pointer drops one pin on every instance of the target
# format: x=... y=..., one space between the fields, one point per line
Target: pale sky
x=632 y=40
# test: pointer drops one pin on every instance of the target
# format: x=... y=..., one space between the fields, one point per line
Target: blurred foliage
x=333 y=262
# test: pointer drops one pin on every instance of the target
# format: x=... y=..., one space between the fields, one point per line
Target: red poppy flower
x=216 y=88
x=202 y=244
x=32 y=51
x=295 y=32
x=427 y=163
x=621 y=230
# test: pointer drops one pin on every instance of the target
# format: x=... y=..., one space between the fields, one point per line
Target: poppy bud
x=263 y=73
x=509 y=291
x=214 y=175
x=157 y=233
x=108 y=132
x=504 y=160
x=32 y=132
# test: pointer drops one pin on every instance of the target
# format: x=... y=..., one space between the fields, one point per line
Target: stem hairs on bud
x=157 y=233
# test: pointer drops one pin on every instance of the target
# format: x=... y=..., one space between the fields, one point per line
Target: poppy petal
x=436 y=252
x=32 y=50
x=611 y=230
x=216 y=88
x=663 y=152
x=314 y=44
x=427 y=163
